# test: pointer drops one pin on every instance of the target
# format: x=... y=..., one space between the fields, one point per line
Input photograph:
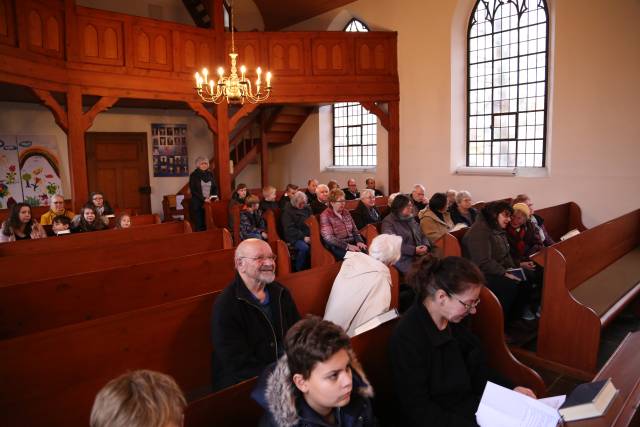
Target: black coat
x=195 y=186
x=317 y=207
x=439 y=376
x=457 y=217
x=266 y=205
x=284 y=201
x=293 y=225
x=363 y=216
x=310 y=196
x=244 y=340
x=348 y=195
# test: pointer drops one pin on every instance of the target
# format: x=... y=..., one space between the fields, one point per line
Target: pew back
x=19 y=269
x=560 y=219
x=320 y=255
x=90 y=240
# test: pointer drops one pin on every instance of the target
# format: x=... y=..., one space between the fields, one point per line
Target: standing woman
x=20 y=225
x=202 y=186
x=438 y=365
x=87 y=220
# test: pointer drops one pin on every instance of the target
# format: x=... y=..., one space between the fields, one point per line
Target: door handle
x=145 y=189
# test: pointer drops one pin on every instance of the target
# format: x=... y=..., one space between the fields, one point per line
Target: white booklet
x=501 y=407
x=376 y=321
x=569 y=235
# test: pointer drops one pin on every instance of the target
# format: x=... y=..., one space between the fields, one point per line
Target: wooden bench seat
x=588 y=280
x=89 y=240
x=20 y=269
x=602 y=291
x=320 y=256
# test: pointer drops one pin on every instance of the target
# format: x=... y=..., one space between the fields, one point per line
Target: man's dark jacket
x=293 y=225
x=244 y=340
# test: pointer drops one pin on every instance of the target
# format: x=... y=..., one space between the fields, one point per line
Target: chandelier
x=235 y=89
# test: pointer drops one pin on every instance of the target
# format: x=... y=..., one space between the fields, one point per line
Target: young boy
x=318 y=382
x=60 y=225
x=139 y=399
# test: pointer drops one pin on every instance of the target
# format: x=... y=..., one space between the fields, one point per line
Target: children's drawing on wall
x=29 y=169
x=169 y=149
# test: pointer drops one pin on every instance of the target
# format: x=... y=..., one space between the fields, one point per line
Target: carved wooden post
x=264 y=152
x=394 y=146
x=221 y=152
x=76 y=147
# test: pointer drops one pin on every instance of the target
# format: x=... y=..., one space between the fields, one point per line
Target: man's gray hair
x=461 y=195
x=418 y=187
x=55 y=196
x=386 y=248
x=322 y=186
x=297 y=198
x=367 y=192
x=200 y=160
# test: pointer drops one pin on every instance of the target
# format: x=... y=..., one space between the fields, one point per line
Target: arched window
x=507 y=83
x=354 y=128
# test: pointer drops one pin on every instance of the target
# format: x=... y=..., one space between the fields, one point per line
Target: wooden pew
x=560 y=219
x=231 y=407
x=320 y=255
x=624 y=370
x=588 y=280
x=19 y=269
x=91 y=240
x=51 y=378
x=50 y=303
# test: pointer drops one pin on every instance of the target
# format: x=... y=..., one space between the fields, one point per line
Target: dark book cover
x=584 y=393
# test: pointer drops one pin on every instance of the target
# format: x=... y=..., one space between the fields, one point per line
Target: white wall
x=311 y=152
x=17 y=118
x=594 y=131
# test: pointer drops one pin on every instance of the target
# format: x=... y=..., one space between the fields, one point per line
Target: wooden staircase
x=281 y=123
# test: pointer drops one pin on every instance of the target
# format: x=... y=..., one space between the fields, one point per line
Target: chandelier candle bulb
x=198 y=80
x=243 y=70
x=211 y=85
x=268 y=79
x=221 y=72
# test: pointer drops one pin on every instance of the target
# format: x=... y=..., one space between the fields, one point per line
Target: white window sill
x=369 y=169
x=506 y=172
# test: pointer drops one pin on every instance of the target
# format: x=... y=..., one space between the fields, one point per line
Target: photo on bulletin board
x=169 y=142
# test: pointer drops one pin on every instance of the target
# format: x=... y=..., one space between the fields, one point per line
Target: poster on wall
x=29 y=169
x=169 y=150
x=10 y=185
x=40 y=168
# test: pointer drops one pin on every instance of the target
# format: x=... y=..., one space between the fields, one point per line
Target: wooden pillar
x=394 y=146
x=221 y=151
x=76 y=148
x=264 y=154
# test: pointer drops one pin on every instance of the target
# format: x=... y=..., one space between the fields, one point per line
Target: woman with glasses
x=438 y=365
x=337 y=228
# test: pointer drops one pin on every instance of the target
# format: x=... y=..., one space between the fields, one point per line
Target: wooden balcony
x=52 y=44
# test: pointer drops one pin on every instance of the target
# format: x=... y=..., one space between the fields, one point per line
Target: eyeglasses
x=261 y=258
x=340 y=201
x=467 y=307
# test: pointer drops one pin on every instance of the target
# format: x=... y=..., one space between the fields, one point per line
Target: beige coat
x=360 y=292
x=432 y=226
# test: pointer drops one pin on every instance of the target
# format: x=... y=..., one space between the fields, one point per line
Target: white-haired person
x=321 y=201
x=362 y=289
x=203 y=187
x=451 y=197
x=366 y=212
x=461 y=211
x=139 y=399
x=418 y=198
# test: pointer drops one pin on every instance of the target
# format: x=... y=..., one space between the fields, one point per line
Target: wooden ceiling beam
x=373 y=108
x=103 y=104
x=59 y=113
x=202 y=111
x=245 y=110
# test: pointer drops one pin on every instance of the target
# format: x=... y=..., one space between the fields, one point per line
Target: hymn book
x=588 y=400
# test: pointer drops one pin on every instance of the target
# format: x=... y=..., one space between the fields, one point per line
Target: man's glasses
x=261 y=258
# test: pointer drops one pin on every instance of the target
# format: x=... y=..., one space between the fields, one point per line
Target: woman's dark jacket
x=363 y=215
x=458 y=218
x=487 y=247
x=412 y=236
x=244 y=340
x=293 y=225
x=439 y=376
x=195 y=186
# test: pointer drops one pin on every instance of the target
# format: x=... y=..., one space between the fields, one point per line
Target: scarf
x=205 y=176
x=517 y=235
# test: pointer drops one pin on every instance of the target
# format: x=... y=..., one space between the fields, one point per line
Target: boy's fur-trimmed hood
x=280 y=392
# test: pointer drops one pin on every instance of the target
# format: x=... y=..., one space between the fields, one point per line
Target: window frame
x=542 y=4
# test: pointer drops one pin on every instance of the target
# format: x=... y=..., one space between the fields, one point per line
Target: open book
x=459 y=226
x=376 y=321
x=569 y=235
x=501 y=407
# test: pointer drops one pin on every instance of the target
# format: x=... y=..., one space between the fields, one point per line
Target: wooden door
x=118 y=166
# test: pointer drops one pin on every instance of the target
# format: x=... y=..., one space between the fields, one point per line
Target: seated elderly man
x=351 y=192
x=400 y=221
x=296 y=232
x=332 y=184
x=418 y=198
x=337 y=228
x=310 y=191
x=321 y=201
x=250 y=317
x=56 y=208
x=366 y=211
x=362 y=289
x=371 y=185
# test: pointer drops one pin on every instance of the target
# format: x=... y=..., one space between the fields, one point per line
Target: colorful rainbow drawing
x=51 y=158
